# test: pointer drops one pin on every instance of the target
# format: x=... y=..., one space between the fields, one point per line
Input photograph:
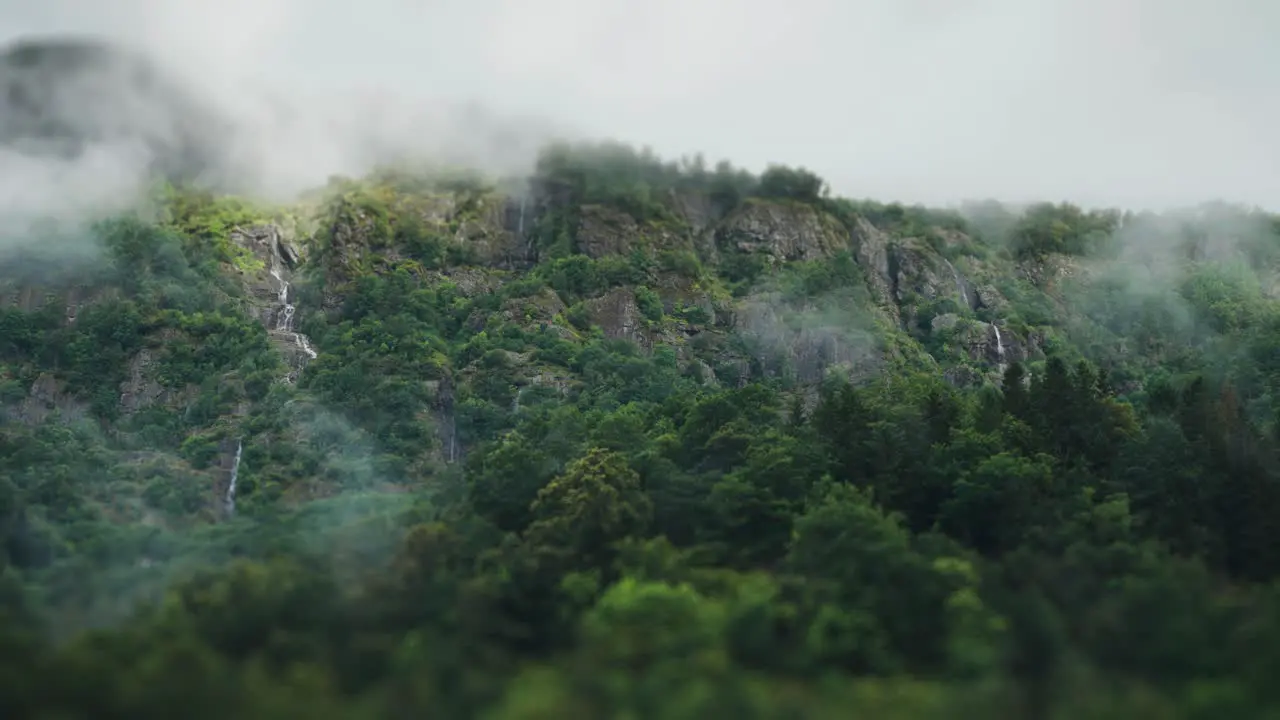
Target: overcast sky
x=1130 y=102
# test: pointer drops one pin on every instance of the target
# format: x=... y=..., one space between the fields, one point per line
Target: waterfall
x=230 y=501
x=520 y=222
x=284 y=320
x=964 y=292
x=1000 y=364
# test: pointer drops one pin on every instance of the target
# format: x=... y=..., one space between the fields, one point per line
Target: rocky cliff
x=513 y=281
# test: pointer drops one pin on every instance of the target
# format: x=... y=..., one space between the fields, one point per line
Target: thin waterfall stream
x=964 y=292
x=999 y=348
x=229 y=502
x=284 y=319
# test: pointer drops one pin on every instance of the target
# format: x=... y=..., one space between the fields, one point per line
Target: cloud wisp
x=1138 y=104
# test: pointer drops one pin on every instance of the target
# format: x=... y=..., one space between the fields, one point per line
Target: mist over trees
x=644 y=439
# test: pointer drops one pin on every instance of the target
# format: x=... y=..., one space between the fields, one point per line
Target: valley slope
x=455 y=444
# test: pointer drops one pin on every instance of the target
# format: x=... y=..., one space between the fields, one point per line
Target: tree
x=780 y=181
x=595 y=503
x=996 y=505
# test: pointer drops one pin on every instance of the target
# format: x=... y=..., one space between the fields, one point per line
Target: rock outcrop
x=606 y=231
x=619 y=317
x=271 y=297
x=47 y=396
x=782 y=231
x=143 y=389
x=990 y=344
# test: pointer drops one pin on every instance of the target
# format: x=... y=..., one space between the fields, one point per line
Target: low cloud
x=1143 y=104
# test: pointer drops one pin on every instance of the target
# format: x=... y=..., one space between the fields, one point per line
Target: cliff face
x=734 y=280
x=490 y=302
x=908 y=286
x=478 y=243
x=419 y=427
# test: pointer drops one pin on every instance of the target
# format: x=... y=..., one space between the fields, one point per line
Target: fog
x=1140 y=103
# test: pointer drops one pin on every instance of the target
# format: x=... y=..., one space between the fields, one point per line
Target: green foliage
x=1046 y=228
x=809 y=280
x=617 y=175
x=895 y=218
x=779 y=181
x=206 y=220
x=649 y=303
x=475 y=503
x=682 y=263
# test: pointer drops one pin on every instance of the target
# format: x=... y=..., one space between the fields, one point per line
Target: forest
x=635 y=438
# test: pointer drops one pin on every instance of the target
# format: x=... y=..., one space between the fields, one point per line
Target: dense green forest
x=631 y=438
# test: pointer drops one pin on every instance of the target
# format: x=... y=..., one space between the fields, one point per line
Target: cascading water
x=284 y=320
x=230 y=501
x=964 y=292
x=999 y=348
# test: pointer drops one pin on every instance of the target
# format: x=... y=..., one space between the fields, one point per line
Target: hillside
x=637 y=438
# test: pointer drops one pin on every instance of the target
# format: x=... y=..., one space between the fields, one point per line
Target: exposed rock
x=944 y=322
x=899 y=271
x=352 y=231
x=46 y=396
x=263 y=290
x=967 y=294
x=227 y=468
x=678 y=292
x=784 y=231
x=289 y=253
x=701 y=213
x=697 y=209
x=606 y=231
x=73 y=298
x=540 y=308
x=703 y=372
x=558 y=381
x=488 y=229
x=1030 y=347
x=952 y=238
x=24 y=297
x=140 y=390
x=987 y=296
x=1048 y=271
x=294 y=353
x=143 y=389
x=618 y=316
x=470 y=281
x=436 y=209
x=271 y=299
x=494 y=229
x=984 y=342
x=962 y=376
x=918 y=269
x=871 y=248
x=735 y=372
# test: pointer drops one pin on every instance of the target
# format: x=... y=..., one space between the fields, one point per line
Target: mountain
x=636 y=437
